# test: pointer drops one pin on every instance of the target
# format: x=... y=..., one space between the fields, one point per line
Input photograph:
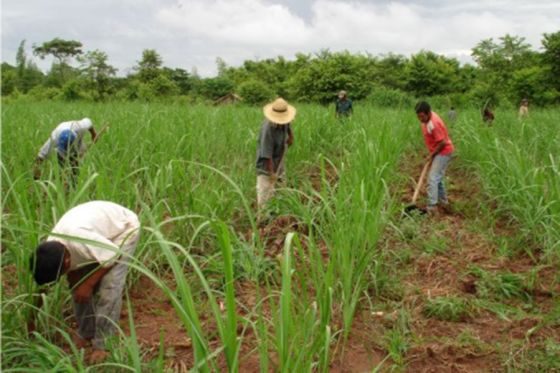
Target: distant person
x=66 y=139
x=488 y=116
x=96 y=269
x=524 y=108
x=274 y=138
x=343 y=107
x=452 y=114
x=441 y=150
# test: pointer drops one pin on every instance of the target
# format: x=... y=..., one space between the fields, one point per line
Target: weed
x=448 y=309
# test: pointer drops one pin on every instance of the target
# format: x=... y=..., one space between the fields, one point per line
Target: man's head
x=342 y=95
x=423 y=111
x=50 y=261
x=86 y=122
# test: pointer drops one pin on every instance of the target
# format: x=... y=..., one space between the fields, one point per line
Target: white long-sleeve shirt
x=107 y=223
x=80 y=127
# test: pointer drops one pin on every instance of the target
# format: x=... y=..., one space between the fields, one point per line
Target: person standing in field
x=441 y=151
x=488 y=116
x=274 y=138
x=92 y=244
x=524 y=108
x=66 y=139
x=343 y=107
x=452 y=114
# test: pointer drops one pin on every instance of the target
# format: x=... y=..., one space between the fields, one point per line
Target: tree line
x=506 y=71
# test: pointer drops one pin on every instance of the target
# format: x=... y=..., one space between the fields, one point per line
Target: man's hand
x=290 y=140
x=273 y=177
x=82 y=294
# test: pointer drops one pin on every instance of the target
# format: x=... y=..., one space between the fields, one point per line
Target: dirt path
x=441 y=258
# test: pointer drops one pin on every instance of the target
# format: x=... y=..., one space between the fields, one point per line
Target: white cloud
x=191 y=33
x=246 y=22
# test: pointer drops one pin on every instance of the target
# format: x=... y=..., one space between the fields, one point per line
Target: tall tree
x=28 y=74
x=499 y=61
x=21 y=59
x=149 y=67
x=62 y=50
x=430 y=74
x=551 y=56
x=98 y=72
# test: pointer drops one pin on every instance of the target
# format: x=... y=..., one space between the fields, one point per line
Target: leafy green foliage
x=255 y=92
x=429 y=74
x=97 y=72
x=508 y=70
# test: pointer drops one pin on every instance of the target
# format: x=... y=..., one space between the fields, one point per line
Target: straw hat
x=342 y=94
x=279 y=112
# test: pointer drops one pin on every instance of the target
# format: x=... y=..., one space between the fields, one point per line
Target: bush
x=44 y=93
x=214 y=88
x=386 y=97
x=73 y=90
x=255 y=92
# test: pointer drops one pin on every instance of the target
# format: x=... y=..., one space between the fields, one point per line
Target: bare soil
x=478 y=343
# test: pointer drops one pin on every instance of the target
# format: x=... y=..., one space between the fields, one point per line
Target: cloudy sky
x=193 y=33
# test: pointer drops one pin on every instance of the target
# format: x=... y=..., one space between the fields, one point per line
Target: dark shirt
x=271 y=144
x=487 y=116
x=344 y=107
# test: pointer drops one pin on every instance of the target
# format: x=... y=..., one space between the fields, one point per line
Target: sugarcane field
x=279 y=186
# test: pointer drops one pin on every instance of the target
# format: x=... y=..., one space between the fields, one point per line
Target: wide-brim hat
x=279 y=112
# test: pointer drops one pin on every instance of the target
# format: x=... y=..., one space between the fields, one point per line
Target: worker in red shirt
x=441 y=150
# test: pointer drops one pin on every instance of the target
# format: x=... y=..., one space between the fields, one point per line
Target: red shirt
x=435 y=131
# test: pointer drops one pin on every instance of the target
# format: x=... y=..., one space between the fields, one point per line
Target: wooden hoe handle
x=421 y=181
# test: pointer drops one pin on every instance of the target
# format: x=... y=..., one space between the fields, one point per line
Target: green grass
x=448 y=309
x=189 y=174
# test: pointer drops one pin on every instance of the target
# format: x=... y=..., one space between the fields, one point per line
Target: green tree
x=255 y=92
x=181 y=78
x=327 y=73
x=551 y=57
x=214 y=88
x=97 y=73
x=21 y=60
x=149 y=67
x=430 y=74
x=28 y=74
x=62 y=51
x=499 y=61
x=9 y=79
x=391 y=71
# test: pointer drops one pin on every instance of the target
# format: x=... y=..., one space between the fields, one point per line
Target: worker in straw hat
x=274 y=138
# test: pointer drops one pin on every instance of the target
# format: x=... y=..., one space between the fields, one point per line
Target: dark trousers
x=69 y=163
